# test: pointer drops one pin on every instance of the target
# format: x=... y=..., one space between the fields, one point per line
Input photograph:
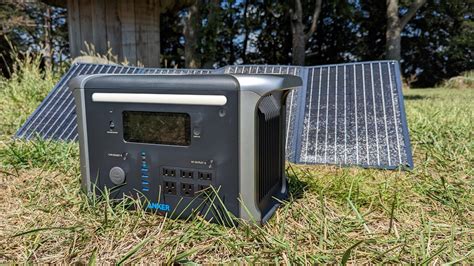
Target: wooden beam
x=99 y=32
x=128 y=42
x=113 y=27
x=74 y=27
x=147 y=19
x=85 y=14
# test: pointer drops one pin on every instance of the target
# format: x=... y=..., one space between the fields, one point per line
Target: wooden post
x=130 y=28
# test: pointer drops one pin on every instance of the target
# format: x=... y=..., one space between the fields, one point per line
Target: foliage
x=439 y=43
x=23 y=26
x=464 y=81
x=436 y=44
x=27 y=83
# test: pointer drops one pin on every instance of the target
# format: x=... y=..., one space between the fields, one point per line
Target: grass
x=335 y=215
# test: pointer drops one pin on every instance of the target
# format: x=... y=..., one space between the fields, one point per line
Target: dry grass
x=333 y=216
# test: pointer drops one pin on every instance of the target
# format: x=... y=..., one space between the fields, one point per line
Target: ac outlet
x=169 y=172
x=203 y=190
x=204 y=175
x=187 y=190
x=187 y=174
x=169 y=188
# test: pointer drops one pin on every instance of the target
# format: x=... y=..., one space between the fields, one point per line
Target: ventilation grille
x=270 y=146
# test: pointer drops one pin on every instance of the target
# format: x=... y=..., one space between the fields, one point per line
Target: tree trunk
x=213 y=27
x=395 y=25
x=298 y=36
x=247 y=32
x=393 y=44
x=192 y=25
x=47 y=50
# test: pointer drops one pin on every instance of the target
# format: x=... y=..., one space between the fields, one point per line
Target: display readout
x=157 y=128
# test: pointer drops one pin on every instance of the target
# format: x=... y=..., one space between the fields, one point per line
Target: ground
x=334 y=215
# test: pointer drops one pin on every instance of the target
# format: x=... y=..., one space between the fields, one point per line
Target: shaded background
x=436 y=41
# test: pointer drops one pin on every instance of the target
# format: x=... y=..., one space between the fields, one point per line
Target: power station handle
x=184 y=99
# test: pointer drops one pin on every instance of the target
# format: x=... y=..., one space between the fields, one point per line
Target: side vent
x=269 y=154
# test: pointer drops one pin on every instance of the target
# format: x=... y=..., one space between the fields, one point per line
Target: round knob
x=117 y=175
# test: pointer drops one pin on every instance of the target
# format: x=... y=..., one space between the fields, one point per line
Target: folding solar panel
x=353 y=115
x=344 y=114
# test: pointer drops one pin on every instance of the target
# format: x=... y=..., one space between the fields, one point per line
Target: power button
x=117 y=175
x=196 y=131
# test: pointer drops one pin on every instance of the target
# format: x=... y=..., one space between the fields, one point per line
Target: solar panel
x=353 y=115
x=345 y=114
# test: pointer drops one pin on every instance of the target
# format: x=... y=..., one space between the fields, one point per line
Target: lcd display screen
x=157 y=128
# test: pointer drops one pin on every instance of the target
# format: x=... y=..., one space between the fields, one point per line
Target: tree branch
x=314 y=23
x=411 y=12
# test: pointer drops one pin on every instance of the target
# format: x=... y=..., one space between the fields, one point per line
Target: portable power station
x=168 y=139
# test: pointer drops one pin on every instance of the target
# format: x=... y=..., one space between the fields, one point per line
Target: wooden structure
x=130 y=28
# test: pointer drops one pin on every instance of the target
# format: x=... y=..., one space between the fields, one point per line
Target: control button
x=197 y=131
x=111 y=125
x=117 y=175
x=222 y=112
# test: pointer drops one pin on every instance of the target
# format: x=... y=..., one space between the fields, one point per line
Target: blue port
x=144 y=176
x=143 y=153
x=145 y=182
x=144 y=166
x=145 y=172
x=145 y=189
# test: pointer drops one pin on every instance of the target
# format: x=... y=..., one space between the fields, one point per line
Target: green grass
x=334 y=215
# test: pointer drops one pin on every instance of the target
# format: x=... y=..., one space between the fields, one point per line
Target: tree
x=395 y=25
x=439 y=44
x=191 y=29
x=338 y=37
x=299 y=37
x=32 y=26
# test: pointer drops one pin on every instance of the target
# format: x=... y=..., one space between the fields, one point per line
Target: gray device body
x=166 y=139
